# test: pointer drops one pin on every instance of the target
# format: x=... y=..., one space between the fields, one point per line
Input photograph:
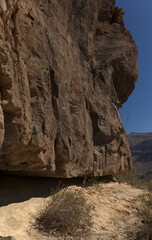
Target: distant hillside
x=141 y=149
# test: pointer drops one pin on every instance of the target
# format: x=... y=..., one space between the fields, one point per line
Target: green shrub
x=146 y=210
x=65 y=212
x=146 y=214
x=131 y=178
x=148 y=185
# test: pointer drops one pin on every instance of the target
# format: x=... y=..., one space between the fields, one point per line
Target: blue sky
x=136 y=113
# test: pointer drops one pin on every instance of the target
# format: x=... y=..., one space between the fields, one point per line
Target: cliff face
x=141 y=149
x=65 y=69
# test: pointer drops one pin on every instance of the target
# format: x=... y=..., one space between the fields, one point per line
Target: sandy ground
x=114 y=211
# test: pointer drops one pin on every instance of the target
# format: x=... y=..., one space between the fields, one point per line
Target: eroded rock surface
x=65 y=69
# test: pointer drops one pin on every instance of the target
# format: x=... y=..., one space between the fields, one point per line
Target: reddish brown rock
x=65 y=68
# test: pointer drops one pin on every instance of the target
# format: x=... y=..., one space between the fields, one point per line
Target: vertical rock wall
x=65 y=69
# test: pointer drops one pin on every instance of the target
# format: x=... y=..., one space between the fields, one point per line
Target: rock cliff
x=65 y=69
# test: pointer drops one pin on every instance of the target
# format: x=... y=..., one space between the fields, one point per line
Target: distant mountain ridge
x=141 y=149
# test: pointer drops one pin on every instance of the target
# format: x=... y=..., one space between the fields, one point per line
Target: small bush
x=131 y=178
x=148 y=185
x=65 y=212
x=145 y=211
x=146 y=214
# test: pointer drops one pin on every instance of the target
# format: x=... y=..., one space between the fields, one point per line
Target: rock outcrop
x=141 y=149
x=65 y=69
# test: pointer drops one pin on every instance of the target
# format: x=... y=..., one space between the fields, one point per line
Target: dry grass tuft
x=65 y=212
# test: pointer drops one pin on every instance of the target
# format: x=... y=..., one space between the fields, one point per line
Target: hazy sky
x=136 y=113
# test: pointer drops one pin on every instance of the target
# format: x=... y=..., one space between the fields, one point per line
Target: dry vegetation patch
x=65 y=212
x=144 y=210
x=102 y=211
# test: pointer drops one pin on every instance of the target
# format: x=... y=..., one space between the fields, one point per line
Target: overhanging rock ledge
x=65 y=69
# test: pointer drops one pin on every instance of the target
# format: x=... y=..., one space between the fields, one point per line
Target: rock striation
x=65 y=69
